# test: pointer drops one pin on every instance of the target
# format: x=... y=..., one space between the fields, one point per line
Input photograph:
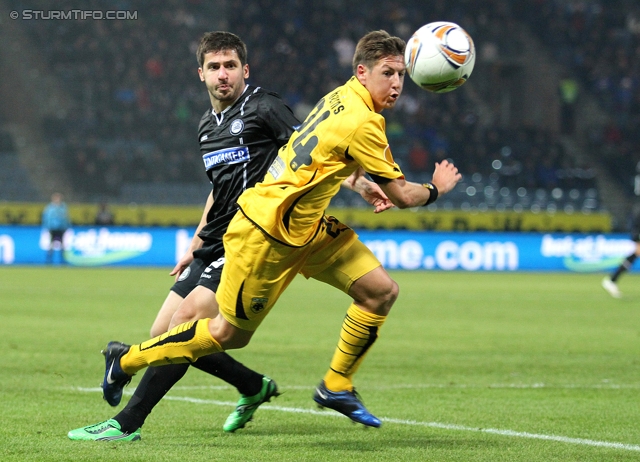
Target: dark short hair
x=377 y=45
x=221 y=41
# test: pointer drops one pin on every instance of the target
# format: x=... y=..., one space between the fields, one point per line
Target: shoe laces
x=99 y=427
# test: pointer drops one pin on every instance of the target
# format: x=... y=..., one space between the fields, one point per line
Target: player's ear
x=246 y=71
x=361 y=73
x=200 y=74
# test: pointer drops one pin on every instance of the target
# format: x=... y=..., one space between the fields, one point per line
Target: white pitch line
x=524 y=386
x=443 y=426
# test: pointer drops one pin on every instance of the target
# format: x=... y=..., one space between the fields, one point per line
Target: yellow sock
x=182 y=344
x=359 y=332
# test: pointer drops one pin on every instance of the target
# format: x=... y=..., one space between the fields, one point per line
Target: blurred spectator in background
x=546 y=174
x=568 y=97
x=104 y=217
x=419 y=157
x=55 y=219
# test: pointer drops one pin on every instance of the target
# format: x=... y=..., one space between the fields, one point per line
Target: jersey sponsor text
x=226 y=156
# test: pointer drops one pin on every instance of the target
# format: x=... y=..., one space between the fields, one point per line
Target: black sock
x=223 y=366
x=155 y=383
x=625 y=266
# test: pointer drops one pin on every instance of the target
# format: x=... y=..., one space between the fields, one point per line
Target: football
x=440 y=56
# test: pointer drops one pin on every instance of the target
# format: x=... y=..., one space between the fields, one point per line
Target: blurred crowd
x=599 y=40
x=137 y=97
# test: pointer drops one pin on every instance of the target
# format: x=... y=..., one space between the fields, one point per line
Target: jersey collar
x=219 y=118
x=361 y=90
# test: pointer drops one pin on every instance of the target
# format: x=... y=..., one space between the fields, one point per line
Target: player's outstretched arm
x=405 y=194
x=370 y=192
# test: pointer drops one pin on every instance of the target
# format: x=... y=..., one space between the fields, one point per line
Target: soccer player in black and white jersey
x=239 y=139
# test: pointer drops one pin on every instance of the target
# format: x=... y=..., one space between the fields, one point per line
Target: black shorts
x=56 y=235
x=199 y=273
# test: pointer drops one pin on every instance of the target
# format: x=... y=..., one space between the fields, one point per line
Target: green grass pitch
x=468 y=367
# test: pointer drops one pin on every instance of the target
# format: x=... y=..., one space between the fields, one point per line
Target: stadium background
x=474 y=366
x=545 y=131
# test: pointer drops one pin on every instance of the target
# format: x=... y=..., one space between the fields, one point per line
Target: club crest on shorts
x=236 y=127
x=185 y=274
x=258 y=304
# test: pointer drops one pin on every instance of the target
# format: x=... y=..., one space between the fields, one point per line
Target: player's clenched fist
x=445 y=176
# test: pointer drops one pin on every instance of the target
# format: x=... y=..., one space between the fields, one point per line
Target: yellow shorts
x=258 y=269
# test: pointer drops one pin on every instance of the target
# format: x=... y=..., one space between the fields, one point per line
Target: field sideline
x=469 y=367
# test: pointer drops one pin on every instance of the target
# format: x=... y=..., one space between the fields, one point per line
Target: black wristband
x=433 y=193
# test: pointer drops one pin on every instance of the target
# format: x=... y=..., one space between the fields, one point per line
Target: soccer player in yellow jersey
x=281 y=230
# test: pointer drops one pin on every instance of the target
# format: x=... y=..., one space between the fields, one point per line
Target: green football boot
x=247 y=405
x=109 y=430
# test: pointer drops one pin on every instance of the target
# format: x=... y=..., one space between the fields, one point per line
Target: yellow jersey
x=340 y=134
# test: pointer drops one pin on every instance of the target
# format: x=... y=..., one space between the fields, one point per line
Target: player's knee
x=395 y=291
x=228 y=336
x=381 y=297
x=389 y=295
x=183 y=315
x=233 y=343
